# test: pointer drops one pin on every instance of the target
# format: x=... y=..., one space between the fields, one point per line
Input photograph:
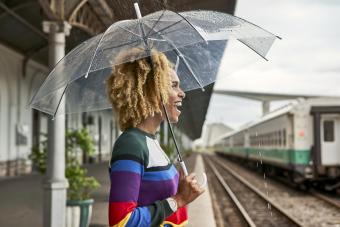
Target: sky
x=306 y=60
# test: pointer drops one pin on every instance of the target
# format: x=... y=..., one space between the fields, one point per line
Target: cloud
x=305 y=61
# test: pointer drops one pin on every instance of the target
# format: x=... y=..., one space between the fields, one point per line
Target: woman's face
x=176 y=96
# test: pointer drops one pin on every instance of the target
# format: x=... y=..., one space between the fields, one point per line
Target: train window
x=279 y=138
x=284 y=137
x=328 y=131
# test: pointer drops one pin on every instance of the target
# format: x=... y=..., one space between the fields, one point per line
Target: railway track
x=253 y=207
x=328 y=199
x=310 y=210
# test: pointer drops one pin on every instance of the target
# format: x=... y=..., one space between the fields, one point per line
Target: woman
x=146 y=189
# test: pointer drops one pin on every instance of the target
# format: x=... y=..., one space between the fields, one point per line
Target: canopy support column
x=55 y=184
x=265 y=107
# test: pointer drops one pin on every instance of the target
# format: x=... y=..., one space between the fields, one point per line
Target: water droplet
x=271 y=213
x=264 y=176
x=269 y=206
x=257 y=164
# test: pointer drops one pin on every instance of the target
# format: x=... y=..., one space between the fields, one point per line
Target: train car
x=301 y=140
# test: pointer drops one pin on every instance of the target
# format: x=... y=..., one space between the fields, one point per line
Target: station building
x=24 y=58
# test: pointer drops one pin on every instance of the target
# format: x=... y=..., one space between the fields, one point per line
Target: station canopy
x=21 y=26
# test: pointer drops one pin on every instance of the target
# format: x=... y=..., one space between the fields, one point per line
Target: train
x=299 y=141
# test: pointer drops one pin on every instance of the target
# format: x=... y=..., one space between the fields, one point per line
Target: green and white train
x=300 y=140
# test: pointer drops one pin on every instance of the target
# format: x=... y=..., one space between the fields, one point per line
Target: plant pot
x=78 y=213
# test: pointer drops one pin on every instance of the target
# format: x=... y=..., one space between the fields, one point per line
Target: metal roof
x=262 y=96
x=21 y=26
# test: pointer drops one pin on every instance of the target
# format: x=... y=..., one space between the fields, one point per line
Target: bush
x=80 y=186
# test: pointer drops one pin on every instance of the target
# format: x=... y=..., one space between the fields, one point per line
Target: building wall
x=16 y=118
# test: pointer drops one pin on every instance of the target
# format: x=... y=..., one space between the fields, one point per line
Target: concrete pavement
x=21 y=200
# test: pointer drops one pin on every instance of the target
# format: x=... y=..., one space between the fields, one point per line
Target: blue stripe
x=127 y=165
x=160 y=175
x=140 y=217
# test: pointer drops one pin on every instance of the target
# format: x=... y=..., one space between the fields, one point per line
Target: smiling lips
x=178 y=104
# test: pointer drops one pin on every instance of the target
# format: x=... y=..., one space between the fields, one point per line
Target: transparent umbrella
x=194 y=41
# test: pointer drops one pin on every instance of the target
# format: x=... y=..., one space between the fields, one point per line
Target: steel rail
x=326 y=199
x=259 y=193
x=232 y=195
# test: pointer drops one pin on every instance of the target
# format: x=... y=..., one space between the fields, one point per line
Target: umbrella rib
x=188 y=67
x=123 y=44
x=129 y=31
x=95 y=51
x=55 y=112
x=169 y=26
x=252 y=49
x=191 y=25
x=154 y=25
x=181 y=56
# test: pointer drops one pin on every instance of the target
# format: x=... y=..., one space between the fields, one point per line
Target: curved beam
x=86 y=19
x=83 y=27
x=74 y=12
x=47 y=10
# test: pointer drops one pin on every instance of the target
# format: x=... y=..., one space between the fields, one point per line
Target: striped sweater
x=142 y=178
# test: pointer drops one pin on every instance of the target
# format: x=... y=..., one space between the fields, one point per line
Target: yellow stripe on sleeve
x=174 y=225
x=124 y=221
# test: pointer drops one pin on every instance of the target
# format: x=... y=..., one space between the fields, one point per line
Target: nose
x=181 y=94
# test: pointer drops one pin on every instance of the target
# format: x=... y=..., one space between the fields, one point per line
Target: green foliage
x=39 y=155
x=80 y=186
x=169 y=149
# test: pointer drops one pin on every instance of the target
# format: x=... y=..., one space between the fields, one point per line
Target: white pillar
x=166 y=130
x=55 y=184
x=265 y=107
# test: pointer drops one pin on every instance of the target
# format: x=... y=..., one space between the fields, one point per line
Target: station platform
x=201 y=210
x=22 y=200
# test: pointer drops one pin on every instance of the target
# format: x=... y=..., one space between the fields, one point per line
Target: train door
x=330 y=140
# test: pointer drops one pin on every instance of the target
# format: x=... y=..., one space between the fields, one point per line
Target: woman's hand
x=188 y=189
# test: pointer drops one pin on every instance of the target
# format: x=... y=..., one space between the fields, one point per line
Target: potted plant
x=79 y=201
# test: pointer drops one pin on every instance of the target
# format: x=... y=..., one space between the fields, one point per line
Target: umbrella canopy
x=194 y=41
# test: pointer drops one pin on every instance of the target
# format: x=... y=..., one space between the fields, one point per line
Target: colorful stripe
x=160 y=175
x=127 y=165
x=124 y=187
x=138 y=194
x=123 y=222
x=179 y=217
x=170 y=224
x=151 y=191
x=118 y=211
x=140 y=217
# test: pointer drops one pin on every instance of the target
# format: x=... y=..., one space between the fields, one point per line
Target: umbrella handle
x=204 y=181
x=184 y=168
x=204 y=175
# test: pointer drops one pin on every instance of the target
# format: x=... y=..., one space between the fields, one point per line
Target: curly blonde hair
x=135 y=90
